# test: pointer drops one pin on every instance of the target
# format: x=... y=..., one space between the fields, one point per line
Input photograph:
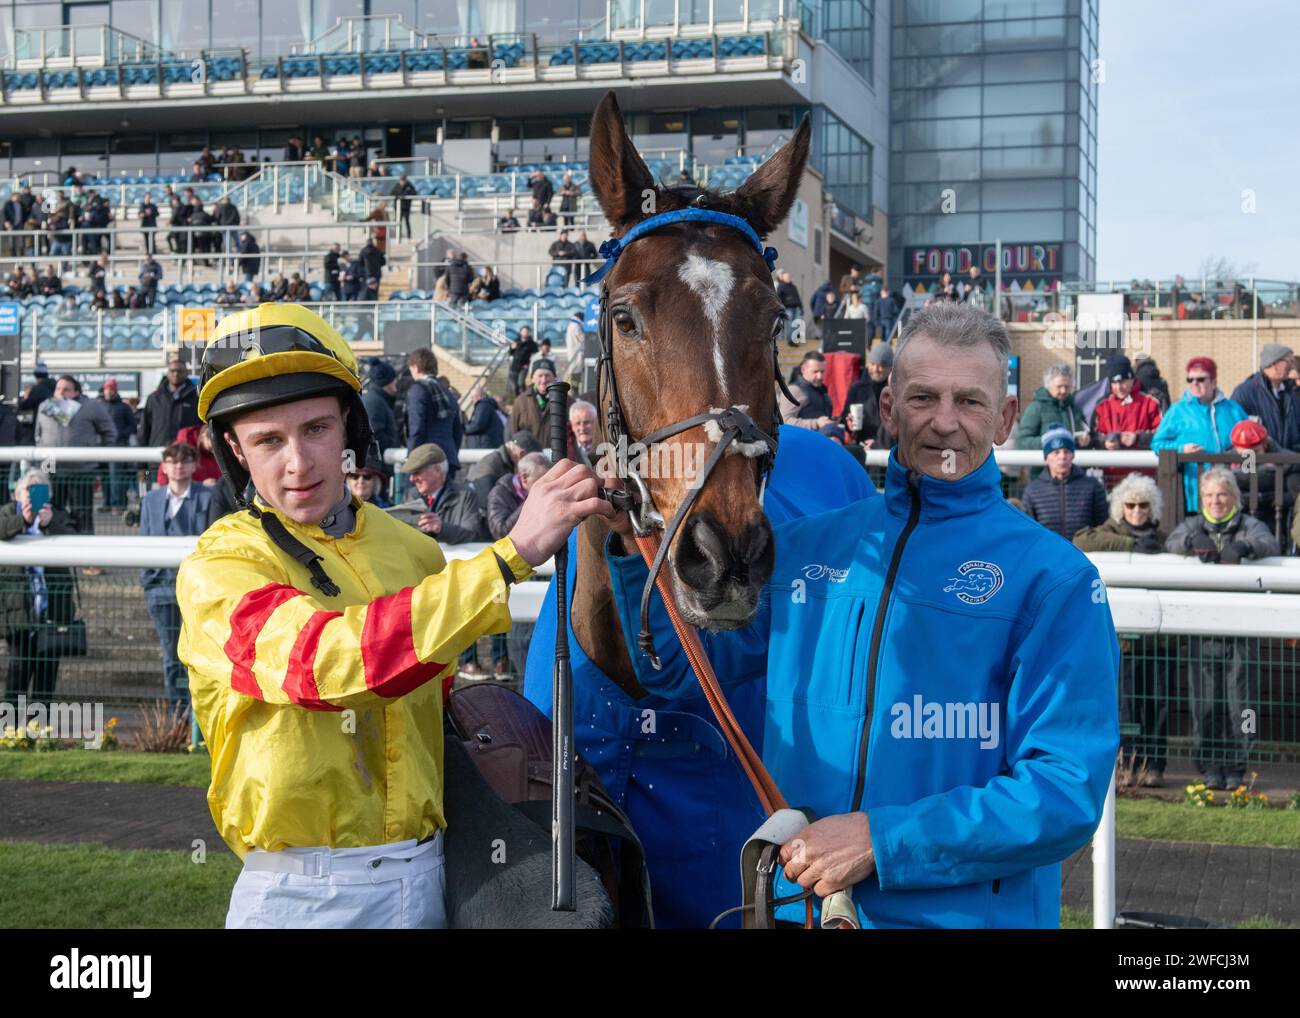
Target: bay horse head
x=693 y=321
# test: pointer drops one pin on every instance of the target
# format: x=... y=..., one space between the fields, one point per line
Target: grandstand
x=126 y=113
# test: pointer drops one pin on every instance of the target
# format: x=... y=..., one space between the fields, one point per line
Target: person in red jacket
x=206 y=472
x=1127 y=418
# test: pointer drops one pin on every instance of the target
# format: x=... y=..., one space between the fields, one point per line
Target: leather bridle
x=730 y=425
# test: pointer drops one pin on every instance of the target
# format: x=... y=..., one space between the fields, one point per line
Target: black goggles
x=238 y=347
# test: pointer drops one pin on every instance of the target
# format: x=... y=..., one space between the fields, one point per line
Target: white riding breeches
x=399 y=886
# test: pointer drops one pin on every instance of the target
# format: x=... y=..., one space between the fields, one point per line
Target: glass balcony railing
x=93 y=44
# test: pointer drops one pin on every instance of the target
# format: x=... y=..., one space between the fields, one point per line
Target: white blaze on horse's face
x=712 y=281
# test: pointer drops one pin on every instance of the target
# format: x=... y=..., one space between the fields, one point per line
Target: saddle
x=498 y=805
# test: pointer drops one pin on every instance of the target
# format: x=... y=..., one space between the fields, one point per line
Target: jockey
x=313 y=624
x=663 y=758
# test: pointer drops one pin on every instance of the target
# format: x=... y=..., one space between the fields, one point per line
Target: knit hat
x=883 y=354
x=1118 y=368
x=379 y=372
x=541 y=364
x=1055 y=438
x=1248 y=434
x=1271 y=353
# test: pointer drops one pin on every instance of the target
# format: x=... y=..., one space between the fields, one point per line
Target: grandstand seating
x=172 y=73
x=142 y=329
x=331 y=65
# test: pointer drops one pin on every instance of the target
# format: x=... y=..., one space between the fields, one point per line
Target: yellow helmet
x=273 y=353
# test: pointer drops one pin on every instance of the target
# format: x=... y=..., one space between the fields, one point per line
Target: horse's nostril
x=757 y=550
x=708 y=557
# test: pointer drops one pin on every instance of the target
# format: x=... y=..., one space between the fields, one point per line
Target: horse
x=694 y=325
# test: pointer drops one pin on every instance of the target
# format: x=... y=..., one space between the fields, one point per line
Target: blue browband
x=611 y=249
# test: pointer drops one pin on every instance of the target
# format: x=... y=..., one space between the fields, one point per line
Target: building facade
x=994 y=137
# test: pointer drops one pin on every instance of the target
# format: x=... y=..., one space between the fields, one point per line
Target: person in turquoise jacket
x=941 y=671
x=677 y=779
x=1201 y=421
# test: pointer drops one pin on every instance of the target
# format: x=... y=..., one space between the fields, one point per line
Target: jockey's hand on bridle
x=557 y=502
x=620 y=522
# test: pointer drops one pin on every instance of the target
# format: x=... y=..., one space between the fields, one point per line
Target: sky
x=1200 y=103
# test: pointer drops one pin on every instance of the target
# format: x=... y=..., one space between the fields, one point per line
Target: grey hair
x=1058 y=371
x=582 y=404
x=1136 y=486
x=959 y=325
x=1222 y=475
x=32 y=476
x=532 y=464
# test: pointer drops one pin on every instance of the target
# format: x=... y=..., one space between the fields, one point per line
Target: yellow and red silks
x=320 y=715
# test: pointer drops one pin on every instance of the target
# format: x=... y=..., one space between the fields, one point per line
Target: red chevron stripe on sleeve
x=388 y=647
x=246 y=623
x=300 y=677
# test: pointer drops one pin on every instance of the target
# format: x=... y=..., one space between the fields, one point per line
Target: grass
x=191 y=769
x=89 y=887
x=1215 y=825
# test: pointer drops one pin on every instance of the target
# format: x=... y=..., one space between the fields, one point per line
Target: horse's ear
x=766 y=196
x=619 y=177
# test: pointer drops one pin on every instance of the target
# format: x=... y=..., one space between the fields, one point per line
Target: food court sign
x=1020 y=262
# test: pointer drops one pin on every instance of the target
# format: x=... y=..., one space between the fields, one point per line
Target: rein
x=726 y=427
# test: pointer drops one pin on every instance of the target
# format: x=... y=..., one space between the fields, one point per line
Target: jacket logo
x=817 y=571
x=978 y=582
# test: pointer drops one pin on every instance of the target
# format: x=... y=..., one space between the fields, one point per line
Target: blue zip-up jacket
x=990 y=649
x=663 y=758
x=1210 y=427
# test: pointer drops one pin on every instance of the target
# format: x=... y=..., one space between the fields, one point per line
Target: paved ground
x=1223 y=884
x=114 y=815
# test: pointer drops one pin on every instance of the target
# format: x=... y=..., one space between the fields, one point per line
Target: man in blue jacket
x=941 y=671
x=662 y=757
x=431 y=412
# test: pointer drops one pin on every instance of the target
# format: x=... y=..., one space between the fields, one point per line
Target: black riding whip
x=563 y=852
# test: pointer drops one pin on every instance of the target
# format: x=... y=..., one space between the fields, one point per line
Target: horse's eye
x=625 y=323
x=778 y=327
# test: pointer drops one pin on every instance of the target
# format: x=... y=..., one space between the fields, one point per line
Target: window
x=844 y=159
x=847 y=29
x=1022 y=194
x=929 y=12
x=1025 y=162
x=1003 y=132
x=1041 y=98
x=935 y=72
x=763 y=128
x=951 y=133
x=133 y=154
x=1017 y=67
x=1022 y=226
x=715 y=136
x=953 y=165
x=234 y=23
x=936 y=102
